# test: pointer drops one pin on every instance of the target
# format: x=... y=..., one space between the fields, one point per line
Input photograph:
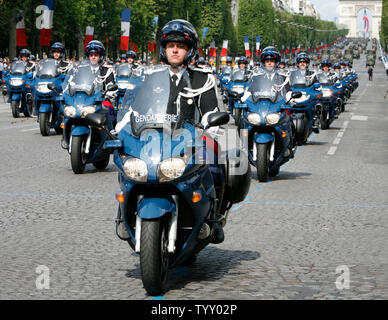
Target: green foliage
x=255 y=17
x=384 y=26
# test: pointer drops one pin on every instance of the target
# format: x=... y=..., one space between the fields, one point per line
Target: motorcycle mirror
x=112 y=87
x=233 y=95
x=218 y=119
x=296 y=95
x=52 y=87
x=95 y=120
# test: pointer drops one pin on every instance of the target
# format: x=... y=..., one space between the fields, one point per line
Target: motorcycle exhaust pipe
x=172 y=235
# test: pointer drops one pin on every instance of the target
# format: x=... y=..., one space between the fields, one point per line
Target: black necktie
x=174 y=79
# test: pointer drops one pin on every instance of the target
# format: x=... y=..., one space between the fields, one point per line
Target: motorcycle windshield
x=299 y=79
x=238 y=76
x=18 y=68
x=47 y=69
x=263 y=87
x=150 y=104
x=324 y=79
x=84 y=79
x=227 y=70
x=124 y=70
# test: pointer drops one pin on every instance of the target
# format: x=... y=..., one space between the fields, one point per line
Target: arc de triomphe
x=349 y=10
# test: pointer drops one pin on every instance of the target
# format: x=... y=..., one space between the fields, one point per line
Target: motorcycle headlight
x=254 y=118
x=327 y=93
x=136 y=169
x=42 y=88
x=273 y=118
x=238 y=89
x=125 y=85
x=16 y=82
x=70 y=112
x=86 y=110
x=171 y=169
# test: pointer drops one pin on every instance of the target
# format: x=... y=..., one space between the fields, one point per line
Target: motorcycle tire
x=237 y=115
x=262 y=162
x=78 y=156
x=29 y=110
x=324 y=120
x=44 y=123
x=301 y=128
x=103 y=163
x=15 y=108
x=154 y=256
x=274 y=172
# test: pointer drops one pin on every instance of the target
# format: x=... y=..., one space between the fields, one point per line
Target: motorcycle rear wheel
x=44 y=123
x=262 y=162
x=15 y=108
x=154 y=256
x=78 y=156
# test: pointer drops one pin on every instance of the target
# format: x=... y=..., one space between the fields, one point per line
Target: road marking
x=27 y=130
x=337 y=141
x=359 y=118
x=332 y=151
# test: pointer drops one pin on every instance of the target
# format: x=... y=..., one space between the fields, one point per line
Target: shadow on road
x=212 y=264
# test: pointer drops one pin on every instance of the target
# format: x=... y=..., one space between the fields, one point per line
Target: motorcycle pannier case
x=238 y=175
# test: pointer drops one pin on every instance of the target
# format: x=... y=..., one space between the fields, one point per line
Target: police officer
x=179 y=44
x=24 y=55
x=57 y=52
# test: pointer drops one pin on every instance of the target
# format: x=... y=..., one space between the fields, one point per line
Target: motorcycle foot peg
x=121 y=230
x=64 y=144
x=316 y=130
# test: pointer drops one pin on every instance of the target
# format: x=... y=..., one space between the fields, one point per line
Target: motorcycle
x=269 y=125
x=48 y=109
x=123 y=74
x=224 y=78
x=168 y=197
x=330 y=103
x=83 y=94
x=237 y=84
x=19 y=89
x=304 y=110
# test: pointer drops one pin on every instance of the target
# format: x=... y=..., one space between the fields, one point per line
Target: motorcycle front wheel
x=15 y=108
x=262 y=162
x=237 y=115
x=103 y=163
x=78 y=156
x=324 y=120
x=154 y=256
x=29 y=110
x=44 y=123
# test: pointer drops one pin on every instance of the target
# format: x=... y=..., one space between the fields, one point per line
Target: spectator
x=370 y=73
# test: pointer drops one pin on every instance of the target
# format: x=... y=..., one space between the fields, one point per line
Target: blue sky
x=328 y=9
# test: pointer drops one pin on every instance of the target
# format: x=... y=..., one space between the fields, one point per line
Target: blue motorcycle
x=19 y=89
x=237 y=84
x=224 y=78
x=305 y=110
x=330 y=102
x=83 y=94
x=270 y=128
x=168 y=193
x=48 y=109
x=123 y=75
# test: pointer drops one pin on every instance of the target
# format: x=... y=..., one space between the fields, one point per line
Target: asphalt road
x=323 y=220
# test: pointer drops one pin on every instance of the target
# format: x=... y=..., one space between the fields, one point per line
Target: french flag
x=246 y=45
x=89 y=33
x=224 y=51
x=21 y=40
x=47 y=23
x=258 y=39
x=366 y=22
x=125 y=26
x=213 y=52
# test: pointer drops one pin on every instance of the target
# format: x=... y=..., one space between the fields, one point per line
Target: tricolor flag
x=125 y=26
x=47 y=23
x=224 y=51
x=366 y=22
x=258 y=39
x=21 y=40
x=88 y=35
x=246 y=45
x=213 y=52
